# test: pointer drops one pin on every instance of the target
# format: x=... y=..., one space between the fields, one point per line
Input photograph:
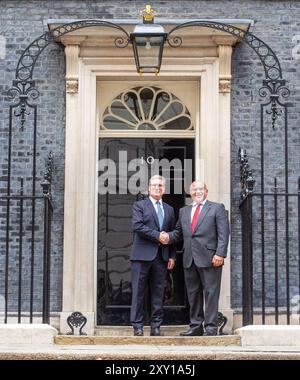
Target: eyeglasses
x=156 y=185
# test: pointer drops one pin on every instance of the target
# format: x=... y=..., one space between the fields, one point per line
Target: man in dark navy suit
x=150 y=259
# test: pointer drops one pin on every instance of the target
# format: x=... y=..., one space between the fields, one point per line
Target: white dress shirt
x=153 y=200
x=194 y=206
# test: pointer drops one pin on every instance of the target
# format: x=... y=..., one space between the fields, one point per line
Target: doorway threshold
x=167 y=330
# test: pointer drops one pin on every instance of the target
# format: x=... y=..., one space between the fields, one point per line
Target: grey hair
x=160 y=177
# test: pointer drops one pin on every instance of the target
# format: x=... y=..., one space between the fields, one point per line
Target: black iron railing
x=25 y=233
x=270 y=252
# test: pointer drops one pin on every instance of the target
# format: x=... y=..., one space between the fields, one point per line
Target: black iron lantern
x=148 y=41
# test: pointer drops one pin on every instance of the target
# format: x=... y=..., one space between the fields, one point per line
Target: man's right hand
x=164 y=237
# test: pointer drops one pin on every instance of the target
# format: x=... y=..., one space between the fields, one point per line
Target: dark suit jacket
x=210 y=237
x=146 y=231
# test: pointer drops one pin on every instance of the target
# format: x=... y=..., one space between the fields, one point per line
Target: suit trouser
x=144 y=273
x=203 y=284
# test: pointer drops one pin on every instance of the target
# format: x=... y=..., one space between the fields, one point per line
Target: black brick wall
x=275 y=22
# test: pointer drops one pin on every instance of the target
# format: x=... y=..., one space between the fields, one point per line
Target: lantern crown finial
x=148 y=14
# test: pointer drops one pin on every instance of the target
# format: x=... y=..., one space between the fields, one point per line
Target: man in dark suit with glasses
x=149 y=258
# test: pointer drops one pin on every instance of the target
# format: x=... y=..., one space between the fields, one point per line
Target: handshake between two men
x=202 y=261
x=164 y=238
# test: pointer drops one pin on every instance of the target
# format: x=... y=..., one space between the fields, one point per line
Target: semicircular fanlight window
x=146 y=108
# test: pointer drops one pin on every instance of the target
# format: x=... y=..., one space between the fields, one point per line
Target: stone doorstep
x=221 y=340
x=270 y=335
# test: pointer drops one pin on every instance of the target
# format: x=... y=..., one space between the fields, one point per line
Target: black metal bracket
x=247 y=180
x=46 y=183
x=222 y=321
x=75 y=320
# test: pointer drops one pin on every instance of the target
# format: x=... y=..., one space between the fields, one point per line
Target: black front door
x=114 y=222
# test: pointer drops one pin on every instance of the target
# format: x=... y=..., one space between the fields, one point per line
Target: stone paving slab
x=146 y=352
x=274 y=335
x=27 y=333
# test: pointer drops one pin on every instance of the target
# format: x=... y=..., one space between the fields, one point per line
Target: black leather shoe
x=193 y=331
x=210 y=333
x=155 y=331
x=138 y=332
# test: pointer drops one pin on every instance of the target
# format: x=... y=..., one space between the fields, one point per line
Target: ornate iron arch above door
x=24 y=85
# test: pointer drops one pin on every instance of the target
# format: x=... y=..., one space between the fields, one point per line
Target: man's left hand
x=171 y=264
x=217 y=261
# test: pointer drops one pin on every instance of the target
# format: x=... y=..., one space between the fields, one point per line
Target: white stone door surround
x=83 y=69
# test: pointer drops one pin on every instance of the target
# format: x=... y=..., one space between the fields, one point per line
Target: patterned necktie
x=160 y=214
x=195 y=217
